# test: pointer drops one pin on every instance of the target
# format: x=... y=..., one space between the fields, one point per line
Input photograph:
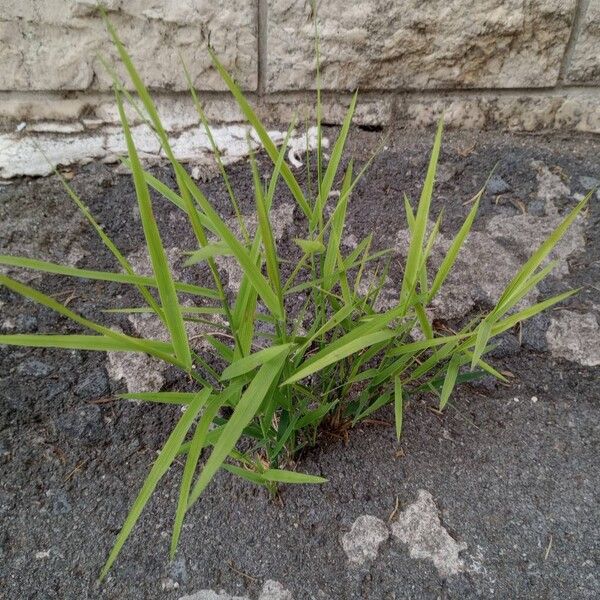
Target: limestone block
x=54 y=45
x=381 y=44
x=585 y=61
x=566 y=111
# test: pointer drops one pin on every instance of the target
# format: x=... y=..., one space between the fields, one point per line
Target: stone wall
x=525 y=65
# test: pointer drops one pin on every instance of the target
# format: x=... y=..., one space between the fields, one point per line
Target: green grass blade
x=424 y=321
x=245 y=306
x=251 y=476
x=510 y=321
x=341 y=315
x=96 y=343
x=216 y=153
x=129 y=278
x=283 y=476
x=398 y=406
x=243 y=414
x=419 y=346
x=266 y=141
x=337 y=228
x=243 y=257
x=159 y=468
x=310 y=246
x=125 y=264
x=415 y=250
x=197 y=443
x=383 y=400
x=327 y=356
x=449 y=380
x=158 y=256
x=334 y=163
x=208 y=251
x=266 y=232
x=542 y=252
x=185 y=310
x=483 y=336
x=244 y=365
x=453 y=251
x=183 y=398
x=134 y=344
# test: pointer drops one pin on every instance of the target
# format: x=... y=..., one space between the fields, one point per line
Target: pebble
x=533 y=332
x=34 y=368
x=60 y=504
x=589 y=182
x=83 y=424
x=497 y=185
x=26 y=324
x=94 y=384
x=178 y=571
x=505 y=345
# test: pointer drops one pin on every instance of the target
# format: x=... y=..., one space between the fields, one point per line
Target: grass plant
x=332 y=363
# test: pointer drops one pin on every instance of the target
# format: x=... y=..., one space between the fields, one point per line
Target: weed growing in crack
x=289 y=371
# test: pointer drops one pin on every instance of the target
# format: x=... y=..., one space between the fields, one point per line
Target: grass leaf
x=415 y=250
x=158 y=256
x=244 y=412
x=159 y=468
x=398 y=406
x=241 y=366
x=283 y=476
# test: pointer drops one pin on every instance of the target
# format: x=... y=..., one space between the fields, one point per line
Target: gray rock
x=83 y=424
x=575 y=336
x=420 y=528
x=26 y=323
x=178 y=570
x=497 y=185
x=537 y=208
x=94 y=384
x=60 y=504
x=34 y=368
x=506 y=345
x=589 y=182
x=533 y=332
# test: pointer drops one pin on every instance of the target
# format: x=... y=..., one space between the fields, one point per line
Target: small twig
x=548 y=548
x=250 y=577
x=77 y=468
x=105 y=400
x=518 y=205
x=396 y=507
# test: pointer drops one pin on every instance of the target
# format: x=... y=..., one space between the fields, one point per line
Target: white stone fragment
x=39 y=154
x=212 y=595
x=575 y=336
x=419 y=527
x=22 y=155
x=361 y=543
x=271 y=590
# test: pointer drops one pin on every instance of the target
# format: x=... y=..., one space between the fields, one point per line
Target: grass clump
x=334 y=361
